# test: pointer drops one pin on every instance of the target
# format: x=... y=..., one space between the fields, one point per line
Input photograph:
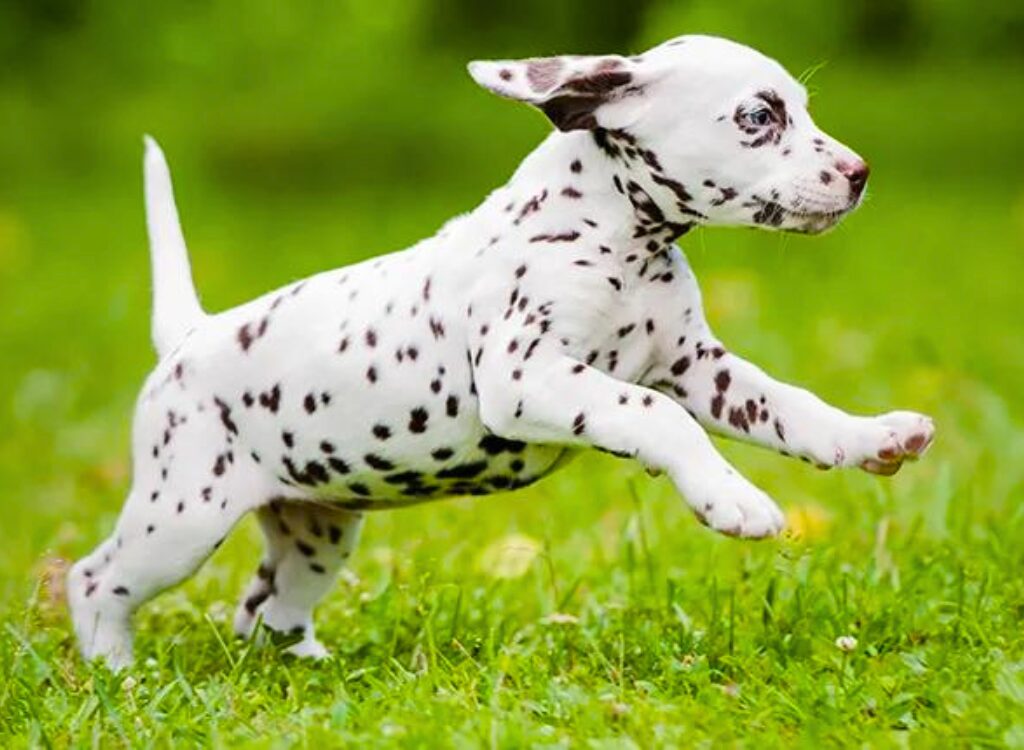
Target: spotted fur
x=557 y=316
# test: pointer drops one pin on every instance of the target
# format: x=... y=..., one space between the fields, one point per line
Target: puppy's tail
x=176 y=307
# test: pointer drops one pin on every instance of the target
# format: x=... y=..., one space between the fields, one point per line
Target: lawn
x=589 y=610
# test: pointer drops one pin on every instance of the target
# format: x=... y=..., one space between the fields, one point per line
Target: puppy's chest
x=612 y=333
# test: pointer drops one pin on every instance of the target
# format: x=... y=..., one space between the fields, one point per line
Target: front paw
x=894 y=438
x=735 y=507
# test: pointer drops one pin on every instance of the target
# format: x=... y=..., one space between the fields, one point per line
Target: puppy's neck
x=600 y=187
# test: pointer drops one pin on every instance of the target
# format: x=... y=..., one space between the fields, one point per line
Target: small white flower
x=129 y=684
x=846 y=643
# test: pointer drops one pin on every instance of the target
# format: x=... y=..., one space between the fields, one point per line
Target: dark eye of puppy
x=759 y=117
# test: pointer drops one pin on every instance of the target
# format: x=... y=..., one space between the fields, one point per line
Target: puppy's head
x=726 y=128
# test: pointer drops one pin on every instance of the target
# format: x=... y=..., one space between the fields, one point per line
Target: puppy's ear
x=568 y=89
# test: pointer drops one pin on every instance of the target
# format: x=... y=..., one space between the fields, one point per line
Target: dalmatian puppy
x=559 y=315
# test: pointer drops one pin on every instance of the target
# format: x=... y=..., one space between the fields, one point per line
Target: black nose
x=857 y=173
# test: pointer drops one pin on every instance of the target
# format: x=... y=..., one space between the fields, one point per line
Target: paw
x=740 y=509
x=309 y=648
x=897 y=437
x=117 y=659
x=109 y=642
x=103 y=630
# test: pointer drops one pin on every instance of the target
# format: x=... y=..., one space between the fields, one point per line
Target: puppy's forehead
x=731 y=67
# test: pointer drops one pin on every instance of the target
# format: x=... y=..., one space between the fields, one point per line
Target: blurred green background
x=308 y=135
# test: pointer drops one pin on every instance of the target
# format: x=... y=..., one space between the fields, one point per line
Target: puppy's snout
x=857 y=173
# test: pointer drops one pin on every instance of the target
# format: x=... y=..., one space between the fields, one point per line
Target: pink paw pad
x=917 y=443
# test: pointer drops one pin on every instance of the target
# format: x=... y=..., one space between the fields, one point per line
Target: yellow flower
x=807 y=521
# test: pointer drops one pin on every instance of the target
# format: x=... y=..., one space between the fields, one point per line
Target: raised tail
x=176 y=307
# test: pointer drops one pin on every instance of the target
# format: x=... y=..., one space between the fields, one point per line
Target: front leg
x=731 y=396
x=552 y=398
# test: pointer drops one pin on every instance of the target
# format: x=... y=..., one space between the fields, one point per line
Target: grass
x=589 y=610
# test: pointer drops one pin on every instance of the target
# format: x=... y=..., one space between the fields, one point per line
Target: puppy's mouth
x=800 y=218
x=814 y=222
x=807 y=218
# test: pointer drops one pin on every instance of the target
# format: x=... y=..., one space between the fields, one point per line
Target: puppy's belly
x=396 y=441
x=379 y=479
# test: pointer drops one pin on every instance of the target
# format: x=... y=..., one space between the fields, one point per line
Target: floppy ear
x=568 y=89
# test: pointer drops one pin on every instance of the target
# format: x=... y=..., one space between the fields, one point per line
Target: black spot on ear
x=572 y=112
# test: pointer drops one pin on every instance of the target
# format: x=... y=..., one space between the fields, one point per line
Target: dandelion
x=807 y=522
x=846 y=643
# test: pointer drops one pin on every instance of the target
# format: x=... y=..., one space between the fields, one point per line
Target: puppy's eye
x=759 y=117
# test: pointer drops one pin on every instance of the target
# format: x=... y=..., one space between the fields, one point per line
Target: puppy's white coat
x=558 y=315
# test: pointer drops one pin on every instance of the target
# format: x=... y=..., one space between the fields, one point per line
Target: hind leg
x=262 y=584
x=307 y=545
x=188 y=491
x=152 y=549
